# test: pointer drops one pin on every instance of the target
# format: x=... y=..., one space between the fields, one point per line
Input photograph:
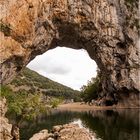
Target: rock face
x=5 y=127
x=107 y=29
x=7 y=131
x=65 y=132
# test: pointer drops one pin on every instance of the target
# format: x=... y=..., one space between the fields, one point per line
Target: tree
x=92 y=89
x=23 y=105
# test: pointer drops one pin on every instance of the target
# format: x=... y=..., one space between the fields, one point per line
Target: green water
x=105 y=125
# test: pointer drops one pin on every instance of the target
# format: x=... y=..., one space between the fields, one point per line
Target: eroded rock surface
x=65 y=132
x=7 y=130
x=107 y=29
x=5 y=127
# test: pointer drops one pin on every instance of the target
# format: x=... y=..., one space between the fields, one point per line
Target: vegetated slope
x=32 y=82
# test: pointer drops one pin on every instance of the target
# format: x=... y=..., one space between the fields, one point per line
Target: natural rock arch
x=107 y=29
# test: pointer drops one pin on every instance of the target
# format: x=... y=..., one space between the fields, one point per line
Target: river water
x=104 y=125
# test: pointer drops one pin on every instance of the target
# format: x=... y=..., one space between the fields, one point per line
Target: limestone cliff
x=5 y=127
x=107 y=29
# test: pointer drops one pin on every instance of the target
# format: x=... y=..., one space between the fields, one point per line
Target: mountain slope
x=32 y=82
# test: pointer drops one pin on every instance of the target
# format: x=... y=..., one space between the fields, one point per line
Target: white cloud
x=67 y=66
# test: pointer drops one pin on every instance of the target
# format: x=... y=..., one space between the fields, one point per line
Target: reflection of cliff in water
x=107 y=125
x=113 y=125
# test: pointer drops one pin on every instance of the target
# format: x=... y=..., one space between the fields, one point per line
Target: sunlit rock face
x=107 y=29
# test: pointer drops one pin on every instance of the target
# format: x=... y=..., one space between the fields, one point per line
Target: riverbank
x=78 y=106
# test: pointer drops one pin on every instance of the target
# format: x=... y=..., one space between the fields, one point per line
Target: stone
x=15 y=132
x=107 y=30
x=42 y=135
x=67 y=132
x=50 y=139
x=56 y=135
x=57 y=128
x=3 y=107
x=5 y=127
x=74 y=132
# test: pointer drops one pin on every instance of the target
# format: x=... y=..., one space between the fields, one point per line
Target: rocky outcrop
x=5 y=127
x=7 y=131
x=107 y=29
x=65 y=132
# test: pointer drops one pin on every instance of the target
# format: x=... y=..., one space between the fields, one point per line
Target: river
x=120 y=124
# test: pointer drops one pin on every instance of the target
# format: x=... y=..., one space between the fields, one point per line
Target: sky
x=67 y=66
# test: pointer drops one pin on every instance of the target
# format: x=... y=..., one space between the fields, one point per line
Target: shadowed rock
x=5 y=127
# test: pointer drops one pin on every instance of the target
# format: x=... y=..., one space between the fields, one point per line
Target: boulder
x=42 y=135
x=65 y=132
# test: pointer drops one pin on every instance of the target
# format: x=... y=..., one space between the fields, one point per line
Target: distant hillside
x=32 y=82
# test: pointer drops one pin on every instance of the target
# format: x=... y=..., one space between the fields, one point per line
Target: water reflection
x=105 y=125
x=113 y=125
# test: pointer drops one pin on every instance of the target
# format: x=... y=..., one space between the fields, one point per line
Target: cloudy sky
x=67 y=66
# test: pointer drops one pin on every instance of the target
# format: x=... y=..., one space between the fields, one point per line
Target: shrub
x=55 y=102
x=91 y=91
x=23 y=105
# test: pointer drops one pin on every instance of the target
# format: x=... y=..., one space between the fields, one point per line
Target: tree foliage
x=38 y=83
x=55 y=102
x=22 y=105
x=91 y=90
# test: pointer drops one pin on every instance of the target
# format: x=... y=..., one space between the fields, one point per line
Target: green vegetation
x=32 y=82
x=5 y=28
x=131 y=4
x=91 y=90
x=131 y=1
x=30 y=94
x=55 y=102
x=21 y=105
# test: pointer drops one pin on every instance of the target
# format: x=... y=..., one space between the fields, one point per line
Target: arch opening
x=76 y=25
x=67 y=66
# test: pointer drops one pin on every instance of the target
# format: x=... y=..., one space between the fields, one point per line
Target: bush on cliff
x=21 y=105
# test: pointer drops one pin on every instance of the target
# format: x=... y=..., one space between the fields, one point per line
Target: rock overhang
x=107 y=30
